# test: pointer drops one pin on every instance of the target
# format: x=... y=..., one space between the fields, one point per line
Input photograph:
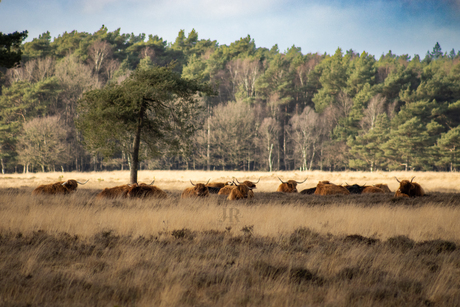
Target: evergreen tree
x=366 y=150
x=449 y=144
x=407 y=145
x=155 y=106
x=10 y=52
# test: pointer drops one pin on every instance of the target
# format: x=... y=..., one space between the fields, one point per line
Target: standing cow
x=61 y=187
x=198 y=190
x=411 y=189
x=289 y=186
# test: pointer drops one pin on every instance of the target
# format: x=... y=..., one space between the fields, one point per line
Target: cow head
x=406 y=186
x=248 y=183
x=72 y=184
x=289 y=186
x=355 y=188
x=200 y=189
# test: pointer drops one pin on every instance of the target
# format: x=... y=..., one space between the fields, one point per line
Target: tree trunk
x=270 y=162
x=208 y=151
x=136 y=145
x=312 y=157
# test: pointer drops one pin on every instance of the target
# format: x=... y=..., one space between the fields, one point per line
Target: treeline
x=274 y=110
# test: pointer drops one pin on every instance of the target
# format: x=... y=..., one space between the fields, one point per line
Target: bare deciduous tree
x=374 y=108
x=42 y=143
x=305 y=130
x=268 y=131
x=45 y=67
x=99 y=53
x=243 y=76
x=232 y=131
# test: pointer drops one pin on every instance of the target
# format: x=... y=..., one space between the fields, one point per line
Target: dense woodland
x=274 y=110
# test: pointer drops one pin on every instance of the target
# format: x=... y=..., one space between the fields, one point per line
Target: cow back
x=369 y=190
x=226 y=190
x=383 y=186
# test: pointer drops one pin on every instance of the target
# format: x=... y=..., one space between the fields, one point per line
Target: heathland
x=273 y=250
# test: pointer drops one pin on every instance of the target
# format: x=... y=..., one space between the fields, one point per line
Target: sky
x=373 y=26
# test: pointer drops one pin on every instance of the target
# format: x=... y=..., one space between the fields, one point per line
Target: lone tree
x=155 y=106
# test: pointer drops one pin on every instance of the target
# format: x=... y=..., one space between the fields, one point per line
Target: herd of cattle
x=233 y=189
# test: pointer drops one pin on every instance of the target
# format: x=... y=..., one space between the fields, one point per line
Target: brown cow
x=412 y=189
x=198 y=190
x=215 y=187
x=116 y=192
x=383 y=186
x=249 y=184
x=240 y=191
x=226 y=190
x=61 y=187
x=144 y=190
x=369 y=190
x=327 y=188
x=398 y=193
x=289 y=186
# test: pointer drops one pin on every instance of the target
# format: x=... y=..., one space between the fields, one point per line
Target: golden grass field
x=272 y=250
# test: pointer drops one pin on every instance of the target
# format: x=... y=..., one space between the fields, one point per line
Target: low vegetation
x=272 y=250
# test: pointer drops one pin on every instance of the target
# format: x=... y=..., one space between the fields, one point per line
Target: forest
x=272 y=110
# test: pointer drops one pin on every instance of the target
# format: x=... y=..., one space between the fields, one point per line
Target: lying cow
x=374 y=189
x=241 y=191
x=144 y=190
x=58 y=188
x=411 y=189
x=215 y=187
x=198 y=190
x=289 y=186
x=383 y=186
x=327 y=188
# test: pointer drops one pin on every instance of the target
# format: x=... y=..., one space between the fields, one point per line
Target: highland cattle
x=289 y=186
x=58 y=188
x=327 y=188
x=412 y=189
x=198 y=190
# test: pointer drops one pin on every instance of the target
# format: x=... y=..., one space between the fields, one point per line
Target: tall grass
x=273 y=250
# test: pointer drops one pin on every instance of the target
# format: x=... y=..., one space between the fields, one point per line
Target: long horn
x=64 y=183
x=257 y=181
x=208 y=181
x=152 y=181
x=192 y=182
x=82 y=182
x=237 y=180
x=412 y=179
x=281 y=180
x=302 y=181
x=397 y=180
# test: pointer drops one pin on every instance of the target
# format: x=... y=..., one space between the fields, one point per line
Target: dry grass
x=171 y=180
x=276 y=249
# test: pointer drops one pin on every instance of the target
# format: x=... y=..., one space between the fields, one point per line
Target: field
x=273 y=250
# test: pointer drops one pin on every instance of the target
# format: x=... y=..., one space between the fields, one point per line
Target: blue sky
x=375 y=26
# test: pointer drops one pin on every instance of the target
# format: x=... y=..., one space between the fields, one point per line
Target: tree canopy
x=10 y=52
x=273 y=109
x=155 y=106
